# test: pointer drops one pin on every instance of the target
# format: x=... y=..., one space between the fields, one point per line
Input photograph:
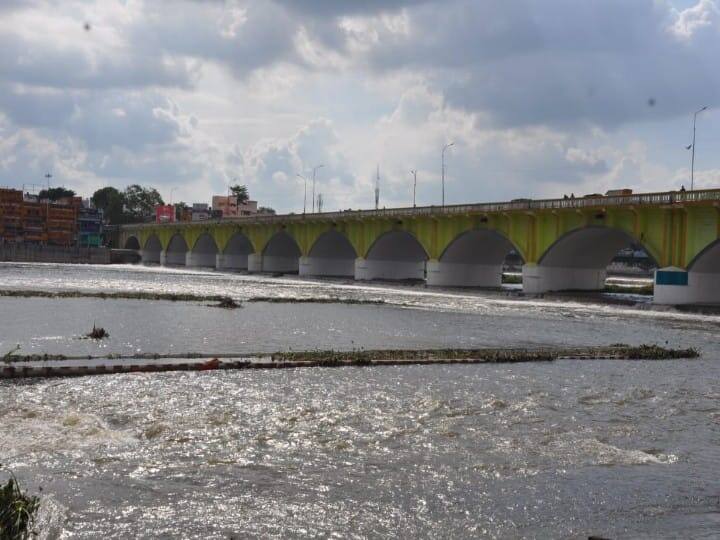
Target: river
x=553 y=450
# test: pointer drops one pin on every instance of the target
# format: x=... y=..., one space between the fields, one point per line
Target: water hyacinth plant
x=17 y=511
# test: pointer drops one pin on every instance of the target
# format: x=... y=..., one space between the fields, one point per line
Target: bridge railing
x=599 y=201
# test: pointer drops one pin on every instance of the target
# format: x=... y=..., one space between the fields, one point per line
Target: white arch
x=473 y=259
x=578 y=260
x=151 y=253
x=332 y=254
x=176 y=252
x=236 y=252
x=281 y=254
x=396 y=255
x=204 y=252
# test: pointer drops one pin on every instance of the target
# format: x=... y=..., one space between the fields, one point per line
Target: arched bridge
x=566 y=244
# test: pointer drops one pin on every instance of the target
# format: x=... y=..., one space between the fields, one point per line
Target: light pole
x=414 y=173
x=692 y=159
x=448 y=145
x=171 y=192
x=315 y=168
x=305 y=196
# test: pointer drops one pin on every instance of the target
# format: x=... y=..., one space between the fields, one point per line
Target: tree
x=55 y=193
x=241 y=192
x=266 y=210
x=140 y=202
x=180 y=209
x=111 y=202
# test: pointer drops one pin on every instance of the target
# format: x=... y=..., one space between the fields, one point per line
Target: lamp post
x=414 y=173
x=305 y=196
x=315 y=168
x=171 y=192
x=448 y=145
x=692 y=159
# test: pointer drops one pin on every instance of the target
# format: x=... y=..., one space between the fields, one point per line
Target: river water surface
x=553 y=450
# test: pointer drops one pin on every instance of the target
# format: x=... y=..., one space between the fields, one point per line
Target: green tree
x=180 y=208
x=55 y=193
x=140 y=202
x=241 y=192
x=266 y=210
x=111 y=202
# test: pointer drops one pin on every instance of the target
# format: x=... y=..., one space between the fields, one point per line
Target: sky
x=540 y=98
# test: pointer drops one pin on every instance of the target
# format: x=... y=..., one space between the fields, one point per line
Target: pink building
x=229 y=206
x=165 y=213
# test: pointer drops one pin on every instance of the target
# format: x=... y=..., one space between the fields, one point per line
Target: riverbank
x=18 y=366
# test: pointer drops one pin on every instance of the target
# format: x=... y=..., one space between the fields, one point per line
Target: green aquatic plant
x=17 y=511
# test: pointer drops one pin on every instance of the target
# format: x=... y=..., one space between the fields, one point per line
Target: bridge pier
x=677 y=286
x=540 y=279
x=325 y=266
x=258 y=262
x=368 y=269
x=163 y=258
x=231 y=262
x=444 y=274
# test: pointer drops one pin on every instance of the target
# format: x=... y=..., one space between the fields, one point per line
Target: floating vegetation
x=313 y=300
x=121 y=295
x=98 y=332
x=17 y=511
x=11 y=355
x=227 y=303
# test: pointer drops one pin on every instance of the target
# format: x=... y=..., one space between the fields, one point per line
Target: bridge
x=566 y=244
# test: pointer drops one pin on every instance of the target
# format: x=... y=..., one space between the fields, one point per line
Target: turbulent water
x=554 y=450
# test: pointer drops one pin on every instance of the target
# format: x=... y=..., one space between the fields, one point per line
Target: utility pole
x=305 y=196
x=377 y=188
x=443 y=170
x=320 y=202
x=313 y=191
x=48 y=176
x=692 y=160
x=414 y=173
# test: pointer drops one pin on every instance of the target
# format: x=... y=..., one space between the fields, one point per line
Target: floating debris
x=98 y=333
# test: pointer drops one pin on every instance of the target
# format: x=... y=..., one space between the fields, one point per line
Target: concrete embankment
x=16 y=366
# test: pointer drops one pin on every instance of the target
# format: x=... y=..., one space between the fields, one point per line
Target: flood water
x=553 y=450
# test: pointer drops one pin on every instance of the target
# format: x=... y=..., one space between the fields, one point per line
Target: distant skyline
x=540 y=98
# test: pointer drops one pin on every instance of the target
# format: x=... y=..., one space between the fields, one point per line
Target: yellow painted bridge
x=566 y=244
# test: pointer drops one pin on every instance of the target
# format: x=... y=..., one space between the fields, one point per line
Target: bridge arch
x=176 y=251
x=708 y=260
x=281 y=254
x=204 y=252
x=577 y=260
x=394 y=255
x=132 y=242
x=236 y=252
x=473 y=258
x=332 y=254
x=151 y=251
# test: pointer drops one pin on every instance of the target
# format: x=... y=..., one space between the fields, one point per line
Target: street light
x=305 y=196
x=448 y=145
x=313 y=193
x=171 y=192
x=414 y=173
x=692 y=160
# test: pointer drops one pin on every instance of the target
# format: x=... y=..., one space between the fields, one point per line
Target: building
x=90 y=226
x=200 y=212
x=11 y=203
x=165 y=213
x=27 y=219
x=229 y=206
